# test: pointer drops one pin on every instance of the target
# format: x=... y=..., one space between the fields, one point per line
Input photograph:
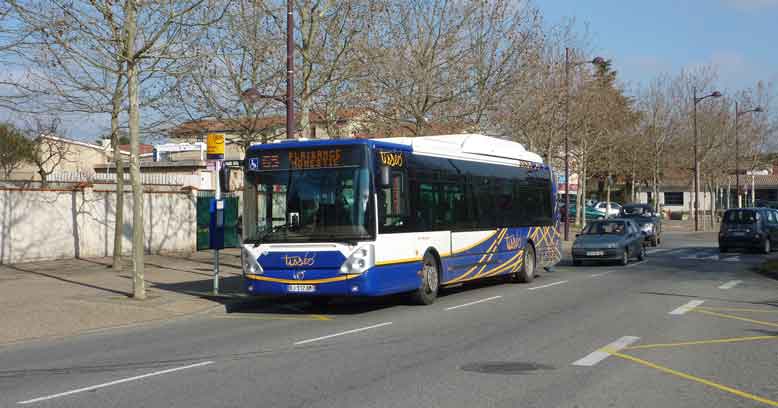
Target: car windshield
x=605 y=227
x=636 y=211
x=740 y=217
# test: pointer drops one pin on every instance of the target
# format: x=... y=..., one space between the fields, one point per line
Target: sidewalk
x=68 y=297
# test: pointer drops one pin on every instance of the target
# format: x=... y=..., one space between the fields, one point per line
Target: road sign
x=215 y=146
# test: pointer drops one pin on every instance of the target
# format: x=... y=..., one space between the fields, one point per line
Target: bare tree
x=49 y=151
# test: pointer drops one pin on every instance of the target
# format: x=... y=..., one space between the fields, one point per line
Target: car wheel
x=527 y=271
x=642 y=253
x=625 y=257
x=654 y=241
x=766 y=247
x=723 y=249
x=577 y=262
x=430 y=281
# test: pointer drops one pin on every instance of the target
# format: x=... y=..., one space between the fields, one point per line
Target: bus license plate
x=595 y=253
x=301 y=288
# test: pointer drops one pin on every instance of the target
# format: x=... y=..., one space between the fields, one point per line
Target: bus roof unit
x=467 y=146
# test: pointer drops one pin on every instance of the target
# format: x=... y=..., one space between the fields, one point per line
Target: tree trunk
x=583 y=205
x=118 y=230
x=42 y=174
x=138 y=284
x=655 y=185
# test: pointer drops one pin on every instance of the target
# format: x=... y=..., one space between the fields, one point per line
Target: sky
x=646 y=37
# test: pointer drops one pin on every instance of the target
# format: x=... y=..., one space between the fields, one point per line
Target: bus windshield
x=325 y=204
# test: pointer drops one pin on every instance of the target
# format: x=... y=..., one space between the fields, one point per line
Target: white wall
x=45 y=225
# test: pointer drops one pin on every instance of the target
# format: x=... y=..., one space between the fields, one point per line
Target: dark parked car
x=616 y=239
x=648 y=221
x=752 y=228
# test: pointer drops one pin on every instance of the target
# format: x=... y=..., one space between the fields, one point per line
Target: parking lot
x=687 y=327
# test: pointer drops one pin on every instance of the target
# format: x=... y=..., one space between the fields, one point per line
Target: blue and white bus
x=330 y=218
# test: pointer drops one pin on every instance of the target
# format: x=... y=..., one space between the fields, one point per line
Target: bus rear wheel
x=430 y=281
x=527 y=271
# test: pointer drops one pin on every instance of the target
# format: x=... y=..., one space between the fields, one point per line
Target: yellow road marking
x=734 y=309
x=700 y=342
x=709 y=383
x=310 y=317
x=729 y=316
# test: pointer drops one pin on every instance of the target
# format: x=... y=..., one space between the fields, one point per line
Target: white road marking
x=656 y=251
x=329 y=336
x=595 y=275
x=605 y=352
x=730 y=259
x=474 y=303
x=546 y=286
x=730 y=284
x=108 y=384
x=636 y=263
x=687 y=307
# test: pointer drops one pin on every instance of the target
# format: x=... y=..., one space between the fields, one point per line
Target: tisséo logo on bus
x=297 y=261
x=391 y=159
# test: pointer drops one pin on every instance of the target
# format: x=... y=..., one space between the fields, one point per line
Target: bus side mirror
x=385 y=176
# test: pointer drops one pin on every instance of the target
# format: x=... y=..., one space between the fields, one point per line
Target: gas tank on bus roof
x=468 y=144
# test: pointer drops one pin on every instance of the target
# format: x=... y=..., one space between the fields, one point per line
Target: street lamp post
x=252 y=94
x=696 y=100
x=738 y=114
x=568 y=63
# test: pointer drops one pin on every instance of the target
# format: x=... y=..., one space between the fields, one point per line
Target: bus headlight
x=362 y=259
x=250 y=264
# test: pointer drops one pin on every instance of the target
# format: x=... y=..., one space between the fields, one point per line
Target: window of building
x=673 y=198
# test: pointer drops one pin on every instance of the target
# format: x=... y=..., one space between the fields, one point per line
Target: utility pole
x=596 y=61
x=737 y=160
x=696 y=163
x=696 y=100
x=567 y=153
x=739 y=113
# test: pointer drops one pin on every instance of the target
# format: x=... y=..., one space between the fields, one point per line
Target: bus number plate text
x=301 y=288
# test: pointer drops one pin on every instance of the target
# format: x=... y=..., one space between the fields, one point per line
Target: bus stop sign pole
x=216 y=154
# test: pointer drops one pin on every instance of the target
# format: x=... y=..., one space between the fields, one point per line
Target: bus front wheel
x=430 y=281
x=527 y=271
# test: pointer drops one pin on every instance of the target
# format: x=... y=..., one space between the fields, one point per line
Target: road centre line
x=686 y=308
x=709 y=383
x=473 y=303
x=596 y=275
x=108 y=384
x=730 y=284
x=547 y=286
x=656 y=251
x=605 y=352
x=329 y=336
x=635 y=264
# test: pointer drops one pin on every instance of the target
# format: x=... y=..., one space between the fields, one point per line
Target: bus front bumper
x=377 y=281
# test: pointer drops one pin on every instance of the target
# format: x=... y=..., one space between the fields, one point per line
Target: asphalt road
x=489 y=345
